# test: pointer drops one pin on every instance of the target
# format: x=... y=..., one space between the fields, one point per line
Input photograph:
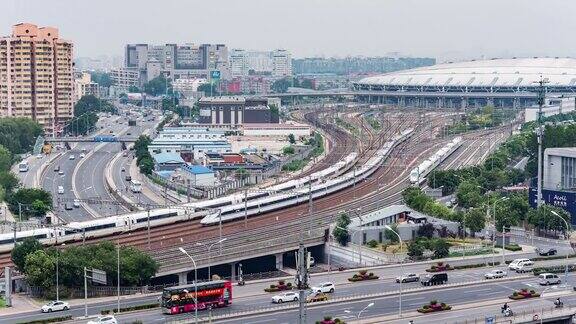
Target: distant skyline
x=445 y=29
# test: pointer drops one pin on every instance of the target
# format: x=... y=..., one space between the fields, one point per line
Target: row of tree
x=85 y=114
x=143 y=158
x=39 y=264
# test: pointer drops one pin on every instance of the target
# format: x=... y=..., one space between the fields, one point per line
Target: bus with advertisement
x=211 y=294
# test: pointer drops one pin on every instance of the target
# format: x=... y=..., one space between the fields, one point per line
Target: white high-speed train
x=75 y=231
x=419 y=173
x=279 y=201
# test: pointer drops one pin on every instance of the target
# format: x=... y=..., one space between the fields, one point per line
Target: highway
x=83 y=178
x=251 y=297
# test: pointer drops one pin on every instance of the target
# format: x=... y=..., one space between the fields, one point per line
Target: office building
x=175 y=61
x=238 y=63
x=281 y=63
x=560 y=168
x=124 y=78
x=36 y=76
x=235 y=111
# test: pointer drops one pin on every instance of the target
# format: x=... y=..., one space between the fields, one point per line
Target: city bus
x=135 y=186
x=211 y=294
x=23 y=166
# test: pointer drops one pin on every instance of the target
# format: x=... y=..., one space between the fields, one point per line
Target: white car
x=61 y=172
x=60 y=190
x=71 y=157
x=82 y=155
x=76 y=203
x=55 y=306
x=325 y=287
x=495 y=274
x=518 y=263
x=288 y=296
x=410 y=277
x=106 y=319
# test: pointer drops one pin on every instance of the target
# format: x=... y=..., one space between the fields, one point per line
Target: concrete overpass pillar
x=490 y=102
x=279 y=261
x=233 y=272
x=183 y=278
x=463 y=103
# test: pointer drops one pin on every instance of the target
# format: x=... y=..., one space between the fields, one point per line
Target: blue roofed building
x=199 y=175
x=167 y=161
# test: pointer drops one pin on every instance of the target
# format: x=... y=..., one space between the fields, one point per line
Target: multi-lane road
x=465 y=286
x=80 y=171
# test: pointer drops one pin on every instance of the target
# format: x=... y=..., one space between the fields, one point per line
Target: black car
x=434 y=279
x=128 y=178
x=68 y=206
x=547 y=251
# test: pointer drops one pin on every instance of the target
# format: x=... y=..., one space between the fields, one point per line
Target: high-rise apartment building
x=281 y=63
x=36 y=75
x=238 y=63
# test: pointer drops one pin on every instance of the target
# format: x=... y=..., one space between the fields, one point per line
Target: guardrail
x=534 y=315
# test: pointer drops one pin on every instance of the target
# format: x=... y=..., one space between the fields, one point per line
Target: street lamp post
x=360 y=312
x=494 y=234
x=58 y=272
x=209 y=247
x=568 y=239
x=195 y=284
x=401 y=268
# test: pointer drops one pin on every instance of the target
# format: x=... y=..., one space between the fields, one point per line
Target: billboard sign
x=215 y=75
x=99 y=276
x=563 y=199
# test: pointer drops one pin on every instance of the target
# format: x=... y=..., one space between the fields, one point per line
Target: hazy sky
x=447 y=29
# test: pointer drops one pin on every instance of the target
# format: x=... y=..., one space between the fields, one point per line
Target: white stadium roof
x=517 y=72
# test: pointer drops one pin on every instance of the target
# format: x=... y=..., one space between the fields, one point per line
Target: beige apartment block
x=36 y=76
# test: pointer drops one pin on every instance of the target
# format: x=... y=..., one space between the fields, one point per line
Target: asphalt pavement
x=252 y=298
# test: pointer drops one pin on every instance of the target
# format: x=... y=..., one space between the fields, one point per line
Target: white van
x=546 y=279
x=515 y=264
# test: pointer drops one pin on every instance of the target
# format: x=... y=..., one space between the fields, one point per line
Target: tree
x=102 y=78
x=340 y=233
x=390 y=234
x=474 y=220
x=146 y=165
x=5 y=159
x=241 y=174
x=133 y=89
x=441 y=248
x=141 y=145
x=157 y=86
x=291 y=139
x=8 y=181
x=26 y=198
x=281 y=85
x=39 y=268
x=415 y=250
x=39 y=208
x=426 y=230
x=468 y=194
x=288 y=150
x=22 y=250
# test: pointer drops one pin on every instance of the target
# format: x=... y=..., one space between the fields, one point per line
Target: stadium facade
x=499 y=82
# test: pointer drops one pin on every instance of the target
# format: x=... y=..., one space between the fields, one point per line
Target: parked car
x=410 y=277
x=76 y=203
x=55 y=306
x=547 y=251
x=546 y=279
x=68 y=206
x=61 y=172
x=60 y=189
x=288 y=296
x=516 y=263
x=325 y=287
x=316 y=297
x=82 y=155
x=57 y=168
x=71 y=157
x=128 y=178
x=434 y=279
x=495 y=274
x=107 y=319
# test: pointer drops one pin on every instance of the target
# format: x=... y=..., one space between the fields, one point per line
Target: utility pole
x=540 y=134
x=302 y=281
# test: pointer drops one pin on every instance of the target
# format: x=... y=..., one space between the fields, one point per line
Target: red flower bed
x=523 y=294
x=440 y=267
x=363 y=275
x=279 y=287
x=434 y=306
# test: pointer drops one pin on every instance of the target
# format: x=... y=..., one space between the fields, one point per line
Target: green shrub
x=372 y=243
x=50 y=320
x=128 y=309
